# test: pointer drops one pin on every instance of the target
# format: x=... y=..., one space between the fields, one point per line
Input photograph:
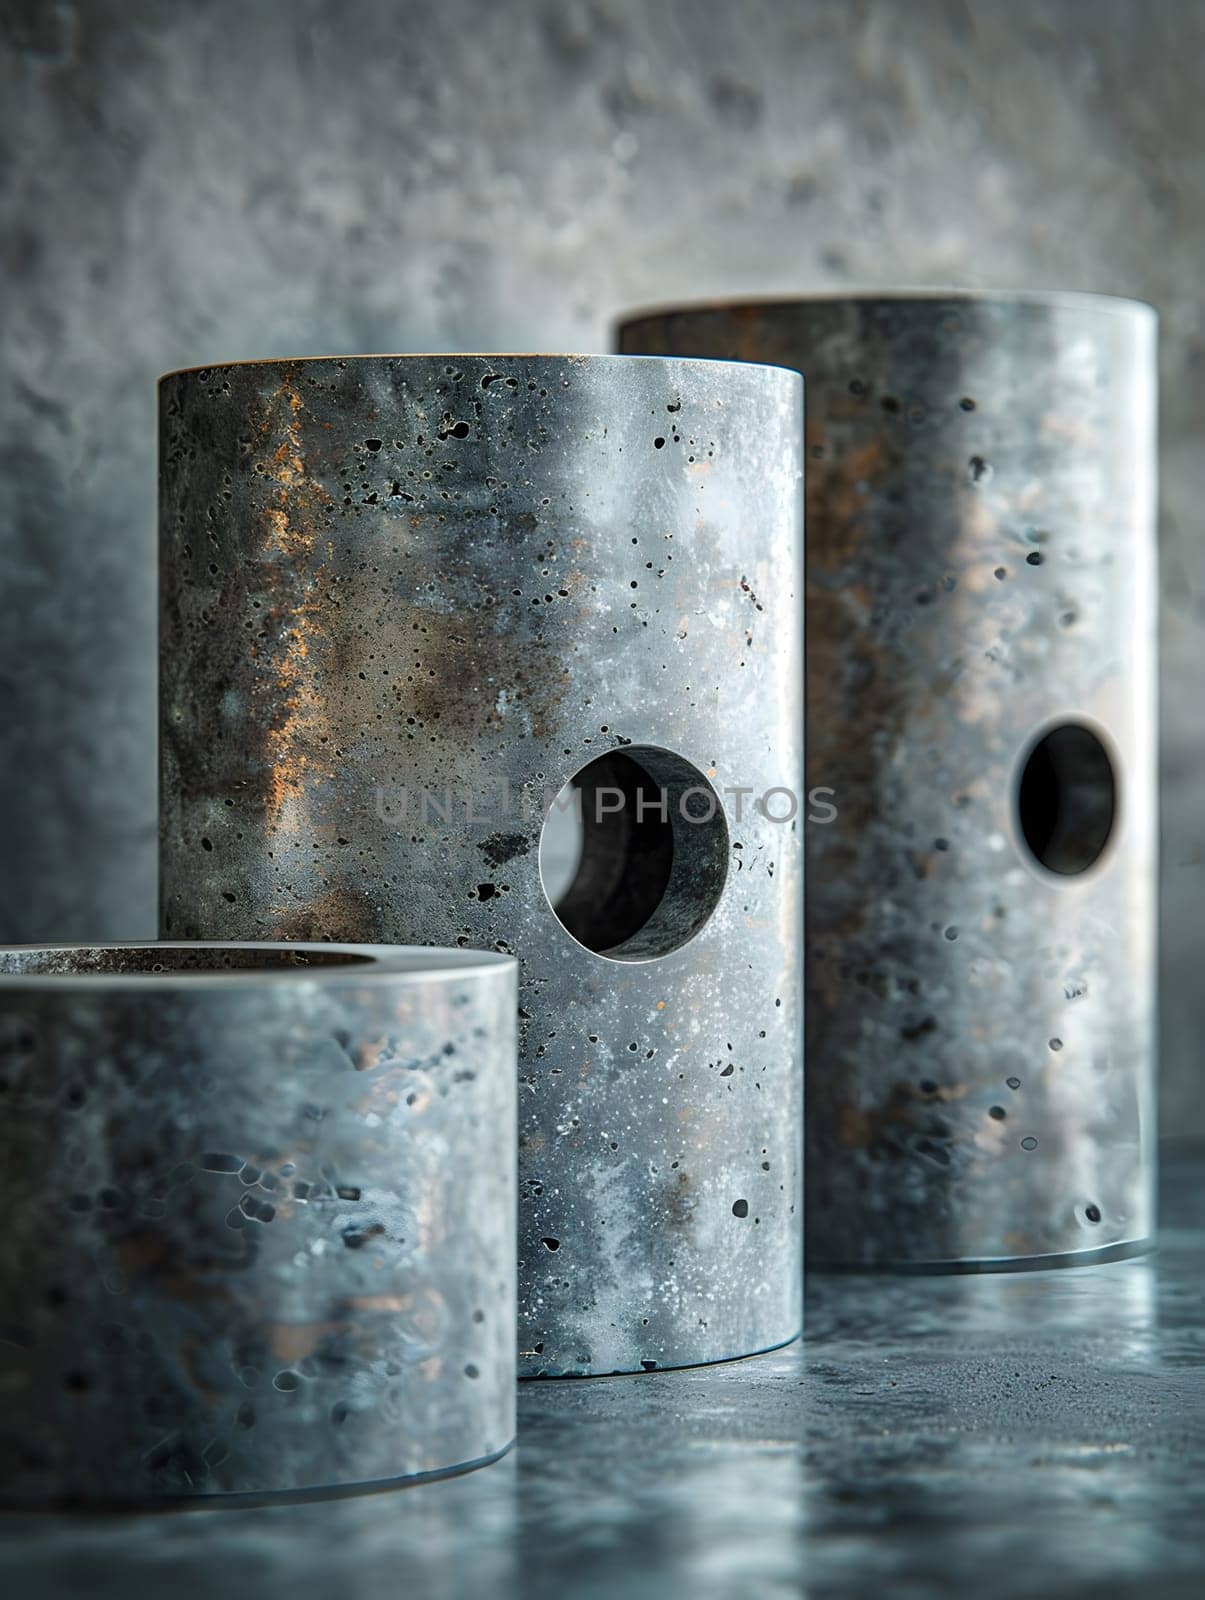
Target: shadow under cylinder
x=981 y=704
x=258 y=1219
x=414 y=606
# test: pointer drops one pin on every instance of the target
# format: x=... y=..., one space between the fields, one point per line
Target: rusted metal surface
x=404 y=601
x=980 y=497
x=258 y=1219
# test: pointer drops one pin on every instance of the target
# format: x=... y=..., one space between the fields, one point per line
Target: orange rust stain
x=859 y=1128
x=341 y=914
x=372 y=1053
x=381 y=1302
x=1019 y=1244
x=290 y=526
x=293 y=1341
x=837 y=500
x=191 y=1353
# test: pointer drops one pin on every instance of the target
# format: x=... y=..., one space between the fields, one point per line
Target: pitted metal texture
x=981 y=705
x=259 y=1222
x=405 y=601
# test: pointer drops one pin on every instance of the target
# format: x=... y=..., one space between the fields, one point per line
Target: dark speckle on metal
x=999 y=1436
x=980 y=698
x=259 y=1215
x=409 y=601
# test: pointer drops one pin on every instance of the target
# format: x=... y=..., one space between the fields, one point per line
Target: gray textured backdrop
x=225 y=178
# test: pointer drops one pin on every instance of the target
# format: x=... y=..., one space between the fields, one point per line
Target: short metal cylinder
x=259 y=1219
x=981 y=707
x=409 y=600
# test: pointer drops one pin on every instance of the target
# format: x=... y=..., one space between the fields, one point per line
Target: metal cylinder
x=981 y=707
x=409 y=600
x=259 y=1218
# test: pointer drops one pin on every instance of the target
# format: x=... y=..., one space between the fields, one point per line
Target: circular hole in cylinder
x=1067 y=798
x=634 y=853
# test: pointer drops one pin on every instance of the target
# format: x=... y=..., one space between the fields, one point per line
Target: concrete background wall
x=184 y=182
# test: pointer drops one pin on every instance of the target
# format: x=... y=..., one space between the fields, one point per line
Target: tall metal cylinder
x=981 y=703
x=406 y=602
x=259 y=1218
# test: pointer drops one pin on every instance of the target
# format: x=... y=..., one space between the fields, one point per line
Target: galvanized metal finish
x=980 y=571
x=258 y=1218
x=405 y=600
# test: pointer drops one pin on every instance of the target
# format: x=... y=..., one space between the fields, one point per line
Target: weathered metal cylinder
x=259 y=1219
x=981 y=707
x=407 y=601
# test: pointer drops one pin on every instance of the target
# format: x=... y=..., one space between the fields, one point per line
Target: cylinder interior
x=1067 y=799
x=634 y=854
x=160 y=960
